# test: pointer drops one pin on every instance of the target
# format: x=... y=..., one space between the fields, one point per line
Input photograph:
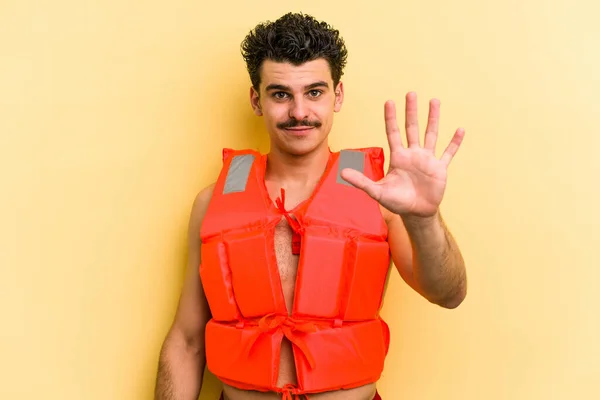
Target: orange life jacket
x=338 y=338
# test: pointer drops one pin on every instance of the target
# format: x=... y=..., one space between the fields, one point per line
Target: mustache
x=291 y=123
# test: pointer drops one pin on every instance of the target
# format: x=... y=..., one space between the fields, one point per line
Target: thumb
x=359 y=180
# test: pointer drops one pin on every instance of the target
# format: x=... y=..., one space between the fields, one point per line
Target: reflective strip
x=238 y=173
x=350 y=159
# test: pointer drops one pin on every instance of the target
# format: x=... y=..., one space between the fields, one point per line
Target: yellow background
x=113 y=115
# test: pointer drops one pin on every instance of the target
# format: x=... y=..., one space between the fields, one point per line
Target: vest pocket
x=367 y=282
x=216 y=282
x=254 y=275
x=351 y=356
x=242 y=355
x=319 y=276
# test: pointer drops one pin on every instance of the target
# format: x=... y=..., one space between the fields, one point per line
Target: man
x=296 y=244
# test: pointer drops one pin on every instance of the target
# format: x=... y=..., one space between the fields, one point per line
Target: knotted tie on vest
x=291 y=328
x=293 y=222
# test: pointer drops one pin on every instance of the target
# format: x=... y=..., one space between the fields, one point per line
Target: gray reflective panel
x=238 y=173
x=350 y=159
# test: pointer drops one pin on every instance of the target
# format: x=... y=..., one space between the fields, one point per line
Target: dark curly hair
x=295 y=38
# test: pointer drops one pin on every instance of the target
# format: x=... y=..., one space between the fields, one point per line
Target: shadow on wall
x=220 y=103
x=217 y=113
x=237 y=127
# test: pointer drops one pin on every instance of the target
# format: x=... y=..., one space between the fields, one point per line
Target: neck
x=289 y=170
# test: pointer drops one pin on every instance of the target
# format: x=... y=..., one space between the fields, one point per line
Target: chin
x=301 y=148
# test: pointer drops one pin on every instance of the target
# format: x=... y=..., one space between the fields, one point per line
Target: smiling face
x=298 y=104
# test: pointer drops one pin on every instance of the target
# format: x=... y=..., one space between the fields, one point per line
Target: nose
x=298 y=109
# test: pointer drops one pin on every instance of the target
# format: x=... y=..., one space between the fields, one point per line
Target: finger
x=431 y=132
x=391 y=126
x=453 y=146
x=360 y=181
x=411 y=120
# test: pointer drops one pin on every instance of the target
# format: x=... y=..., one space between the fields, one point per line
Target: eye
x=315 y=93
x=280 y=95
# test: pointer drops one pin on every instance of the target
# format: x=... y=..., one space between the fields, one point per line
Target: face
x=297 y=103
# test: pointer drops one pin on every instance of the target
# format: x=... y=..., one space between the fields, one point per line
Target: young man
x=282 y=299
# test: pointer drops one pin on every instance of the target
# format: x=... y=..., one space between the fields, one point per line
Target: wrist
x=420 y=222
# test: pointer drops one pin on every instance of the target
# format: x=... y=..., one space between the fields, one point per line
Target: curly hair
x=296 y=38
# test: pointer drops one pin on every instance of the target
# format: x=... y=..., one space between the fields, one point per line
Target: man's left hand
x=416 y=180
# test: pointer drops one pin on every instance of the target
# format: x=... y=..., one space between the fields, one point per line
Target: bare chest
x=287 y=260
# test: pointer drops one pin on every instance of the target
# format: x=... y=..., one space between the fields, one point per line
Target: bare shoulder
x=193 y=311
x=400 y=245
x=392 y=220
x=203 y=197
x=396 y=229
x=385 y=213
x=201 y=204
x=397 y=234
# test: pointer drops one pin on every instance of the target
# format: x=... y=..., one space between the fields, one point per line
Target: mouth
x=299 y=130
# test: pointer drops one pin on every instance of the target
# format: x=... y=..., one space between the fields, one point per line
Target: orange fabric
x=377 y=396
x=338 y=338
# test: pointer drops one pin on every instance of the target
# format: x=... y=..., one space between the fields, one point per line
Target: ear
x=339 y=97
x=255 y=102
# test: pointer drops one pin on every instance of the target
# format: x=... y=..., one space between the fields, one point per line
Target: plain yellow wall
x=113 y=115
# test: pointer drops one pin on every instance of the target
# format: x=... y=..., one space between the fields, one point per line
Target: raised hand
x=416 y=180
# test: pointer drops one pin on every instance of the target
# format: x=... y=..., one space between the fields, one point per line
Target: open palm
x=416 y=180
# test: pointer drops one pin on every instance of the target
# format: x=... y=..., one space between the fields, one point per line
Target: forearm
x=180 y=369
x=438 y=265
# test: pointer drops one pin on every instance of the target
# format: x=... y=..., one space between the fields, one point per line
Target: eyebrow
x=274 y=86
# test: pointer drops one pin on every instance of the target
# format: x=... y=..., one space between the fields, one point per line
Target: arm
x=410 y=193
x=428 y=258
x=182 y=357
